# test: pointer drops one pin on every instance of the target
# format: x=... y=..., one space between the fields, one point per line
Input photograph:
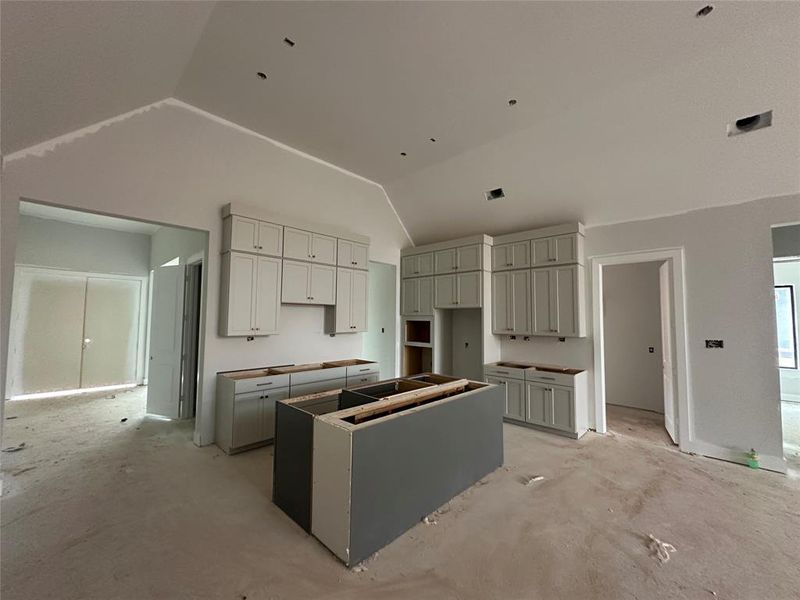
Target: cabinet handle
x=362 y=370
x=258 y=328
x=312 y=297
x=416 y=272
x=263 y=384
x=313 y=256
x=552 y=259
x=548 y=378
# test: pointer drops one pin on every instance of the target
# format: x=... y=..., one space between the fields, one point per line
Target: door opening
x=190 y=343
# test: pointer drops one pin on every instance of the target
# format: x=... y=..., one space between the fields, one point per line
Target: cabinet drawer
x=504 y=372
x=317 y=386
x=362 y=378
x=303 y=377
x=548 y=378
x=360 y=370
x=254 y=384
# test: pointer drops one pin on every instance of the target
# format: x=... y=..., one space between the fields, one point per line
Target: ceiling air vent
x=751 y=123
x=495 y=194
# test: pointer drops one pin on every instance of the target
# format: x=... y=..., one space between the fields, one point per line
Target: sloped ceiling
x=621 y=106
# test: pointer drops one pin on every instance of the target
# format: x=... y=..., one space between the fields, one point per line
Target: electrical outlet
x=651 y=349
x=250 y=338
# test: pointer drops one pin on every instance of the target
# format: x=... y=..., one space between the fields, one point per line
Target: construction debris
x=15 y=448
x=661 y=550
x=429 y=521
x=359 y=569
x=534 y=479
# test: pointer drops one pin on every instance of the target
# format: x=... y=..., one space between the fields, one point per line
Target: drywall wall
x=632 y=325
x=734 y=391
x=788 y=273
x=786 y=241
x=169 y=243
x=174 y=166
x=60 y=245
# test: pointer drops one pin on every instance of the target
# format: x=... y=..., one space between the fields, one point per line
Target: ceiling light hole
x=433 y=139
x=750 y=123
x=512 y=102
x=261 y=75
x=495 y=194
x=704 y=11
x=288 y=42
x=403 y=154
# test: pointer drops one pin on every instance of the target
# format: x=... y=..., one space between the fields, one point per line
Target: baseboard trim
x=767 y=462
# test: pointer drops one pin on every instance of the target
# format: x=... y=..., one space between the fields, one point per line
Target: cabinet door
x=501 y=383
x=565 y=248
x=502 y=257
x=501 y=304
x=270 y=238
x=561 y=414
x=344 y=300
x=241 y=293
x=358 y=301
x=515 y=399
x=469 y=290
x=323 y=284
x=468 y=258
x=541 y=302
x=296 y=282
x=360 y=256
x=248 y=426
x=565 y=283
x=323 y=249
x=445 y=261
x=244 y=234
x=268 y=401
x=540 y=252
x=408 y=266
x=445 y=293
x=409 y=300
x=537 y=399
x=519 y=292
x=425 y=298
x=344 y=253
x=267 y=296
x=425 y=264
x=296 y=243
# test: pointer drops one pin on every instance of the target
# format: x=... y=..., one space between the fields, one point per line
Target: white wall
x=788 y=273
x=60 y=245
x=734 y=392
x=174 y=166
x=171 y=242
x=632 y=325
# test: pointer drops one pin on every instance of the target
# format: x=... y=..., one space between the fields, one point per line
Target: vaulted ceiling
x=621 y=106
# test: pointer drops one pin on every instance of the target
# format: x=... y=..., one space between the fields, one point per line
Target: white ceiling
x=78 y=217
x=621 y=113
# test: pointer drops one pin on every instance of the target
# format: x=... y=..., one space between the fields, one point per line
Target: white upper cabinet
x=242 y=234
x=350 y=313
x=416 y=296
x=511 y=303
x=308 y=246
x=511 y=256
x=453 y=260
x=352 y=255
x=562 y=249
x=557 y=299
x=462 y=290
x=251 y=288
x=417 y=265
x=306 y=283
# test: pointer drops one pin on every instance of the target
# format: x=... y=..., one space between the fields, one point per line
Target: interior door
x=667 y=347
x=166 y=334
x=46 y=332
x=111 y=332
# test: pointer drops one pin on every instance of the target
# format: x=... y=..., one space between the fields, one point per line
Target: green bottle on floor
x=752 y=459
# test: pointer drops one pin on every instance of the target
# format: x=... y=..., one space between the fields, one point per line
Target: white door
x=296 y=243
x=667 y=361
x=323 y=284
x=166 y=334
x=358 y=301
x=111 y=332
x=268 y=295
x=296 y=281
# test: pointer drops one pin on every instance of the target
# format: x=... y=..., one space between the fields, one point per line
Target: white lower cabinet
x=550 y=406
x=249 y=295
x=308 y=283
x=247 y=418
x=515 y=396
x=462 y=290
x=350 y=313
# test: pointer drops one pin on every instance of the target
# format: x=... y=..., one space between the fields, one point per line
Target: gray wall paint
x=786 y=241
x=60 y=245
x=632 y=324
x=170 y=165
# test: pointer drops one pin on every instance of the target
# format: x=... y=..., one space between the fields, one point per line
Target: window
x=787 y=340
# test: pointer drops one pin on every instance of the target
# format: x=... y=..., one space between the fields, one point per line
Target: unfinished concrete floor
x=97 y=508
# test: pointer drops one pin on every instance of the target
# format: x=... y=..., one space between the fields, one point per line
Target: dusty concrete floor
x=96 y=508
x=790 y=413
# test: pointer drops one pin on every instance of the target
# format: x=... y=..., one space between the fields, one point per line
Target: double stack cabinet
x=538 y=286
x=265 y=264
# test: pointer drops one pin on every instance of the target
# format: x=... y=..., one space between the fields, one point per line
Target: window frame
x=792 y=308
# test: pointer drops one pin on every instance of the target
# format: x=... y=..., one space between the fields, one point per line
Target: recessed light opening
x=403 y=154
x=288 y=42
x=495 y=194
x=433 y=139
x=512 y=102
x=750 y=123
x=704 y=11
x=261 y=75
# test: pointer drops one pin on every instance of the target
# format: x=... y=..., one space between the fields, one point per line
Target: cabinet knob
x=313 y=256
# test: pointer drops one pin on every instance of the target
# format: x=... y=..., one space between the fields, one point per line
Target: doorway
x=637 y=347
x=380 y=339
x=671 y=331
